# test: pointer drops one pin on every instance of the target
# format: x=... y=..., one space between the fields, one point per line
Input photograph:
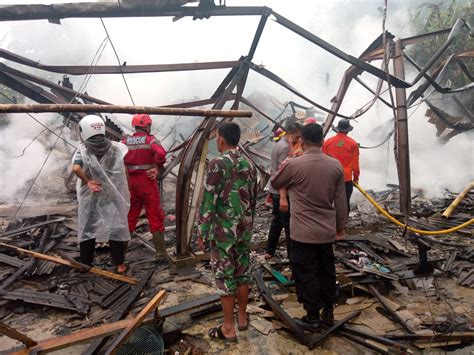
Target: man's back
x=228 y=204
x=346 y=150
x=317 y=196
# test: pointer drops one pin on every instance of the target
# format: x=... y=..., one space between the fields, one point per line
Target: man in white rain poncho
x=102 y=192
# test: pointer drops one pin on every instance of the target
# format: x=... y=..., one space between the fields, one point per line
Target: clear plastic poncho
x=103 y=215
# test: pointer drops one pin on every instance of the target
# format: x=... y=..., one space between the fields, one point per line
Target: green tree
x=429 y=17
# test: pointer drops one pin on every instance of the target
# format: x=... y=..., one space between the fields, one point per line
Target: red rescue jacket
x=144 y=152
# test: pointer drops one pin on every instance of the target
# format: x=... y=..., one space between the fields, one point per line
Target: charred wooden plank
x=119 y=313
x=110 y=298
x=11 y=260
x=185 y=306
x=22 y=230
x=43 y=298
x=22 y=270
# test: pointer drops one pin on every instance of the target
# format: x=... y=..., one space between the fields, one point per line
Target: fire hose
x=403 y=225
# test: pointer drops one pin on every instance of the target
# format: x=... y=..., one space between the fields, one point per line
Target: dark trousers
x=117 y=251
x=279 y=222
x=349 y=189
x=314 y=272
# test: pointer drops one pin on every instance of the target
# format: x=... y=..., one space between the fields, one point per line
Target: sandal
x=246 y=326
x=216 y=333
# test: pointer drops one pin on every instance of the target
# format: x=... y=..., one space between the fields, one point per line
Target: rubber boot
x=328 y=315
x=86 y=250
x=160 y=246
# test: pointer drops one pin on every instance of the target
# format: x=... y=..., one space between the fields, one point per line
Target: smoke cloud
x=349 y=25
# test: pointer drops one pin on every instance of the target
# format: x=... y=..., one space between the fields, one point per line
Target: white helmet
x=91 y=125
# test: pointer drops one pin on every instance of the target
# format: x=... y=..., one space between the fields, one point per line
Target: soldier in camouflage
x=226 y=221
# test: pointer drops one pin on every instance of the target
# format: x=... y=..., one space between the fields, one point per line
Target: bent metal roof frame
x=193 y=153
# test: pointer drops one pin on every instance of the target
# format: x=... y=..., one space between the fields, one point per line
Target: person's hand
x=200 y=243
x=152 y=173
x=340 y=234
x=94 y=186
x=284 y=207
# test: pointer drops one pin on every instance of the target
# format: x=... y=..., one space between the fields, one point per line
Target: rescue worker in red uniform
x=346 y=150
x=144 y=159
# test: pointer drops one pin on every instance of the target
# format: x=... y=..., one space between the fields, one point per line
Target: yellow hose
x=419 y=231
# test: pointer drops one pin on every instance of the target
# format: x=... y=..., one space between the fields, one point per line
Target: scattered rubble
x=384 y=305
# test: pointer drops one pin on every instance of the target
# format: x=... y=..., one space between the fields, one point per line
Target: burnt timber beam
x=90 y=108
x=116 y=69
x=106 y=10
x=402 y=149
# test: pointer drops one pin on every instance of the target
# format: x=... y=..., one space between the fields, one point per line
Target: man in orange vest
x=346 y=150
x=144 y=159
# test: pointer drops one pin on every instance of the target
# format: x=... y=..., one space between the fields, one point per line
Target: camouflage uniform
x=226 y=218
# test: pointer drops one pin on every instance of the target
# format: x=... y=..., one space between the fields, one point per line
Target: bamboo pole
x=447 y=213
x=74 y=265
x=89 y=108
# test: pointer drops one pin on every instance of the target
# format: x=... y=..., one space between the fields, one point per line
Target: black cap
x=344 y=126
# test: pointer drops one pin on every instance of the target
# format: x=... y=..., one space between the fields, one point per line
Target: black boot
x=86 y=250
x=117 y=251
x=328 y=315
x=311 y=318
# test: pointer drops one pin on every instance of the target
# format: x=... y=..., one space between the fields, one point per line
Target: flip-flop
x=246 y=326
x=216 y=333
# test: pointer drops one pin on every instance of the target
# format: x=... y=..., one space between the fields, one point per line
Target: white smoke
x=348 y=25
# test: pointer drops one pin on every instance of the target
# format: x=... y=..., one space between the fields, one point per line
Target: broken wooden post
x=74 y=265
x=153 y=110
x=159 y=297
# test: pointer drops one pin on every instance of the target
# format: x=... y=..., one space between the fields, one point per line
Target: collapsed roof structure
x=104 y=299
x=191 y=154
